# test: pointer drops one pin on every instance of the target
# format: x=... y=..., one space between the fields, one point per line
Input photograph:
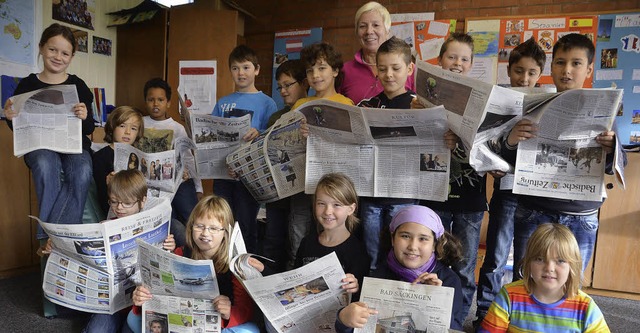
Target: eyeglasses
x=201 y=228
x=115 y=204
x=286 y=86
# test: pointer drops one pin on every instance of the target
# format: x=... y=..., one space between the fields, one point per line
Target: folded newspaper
x=92 y=267
x=46 y=120
x=386 y=152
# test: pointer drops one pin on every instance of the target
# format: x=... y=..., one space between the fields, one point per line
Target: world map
x=16 y=36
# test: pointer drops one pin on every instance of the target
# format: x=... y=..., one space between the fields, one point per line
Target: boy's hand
x=251 y=134
x=80 y=110
x=350 y=284
x=45 y=249
x=451 y=139
x=222 y=304
x=523 y=130
x=185 y=175
x=169 y=243
x=109 y=177
x=232 y=173
x=416 y=104
x=255 y=263
x=9 y=113
x=356 y=314
x=607 y=140
x=428 y=278
x=497 y=174
x=141 y=295
x=304 y=128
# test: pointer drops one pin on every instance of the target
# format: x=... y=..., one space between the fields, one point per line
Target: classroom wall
x=337 y=18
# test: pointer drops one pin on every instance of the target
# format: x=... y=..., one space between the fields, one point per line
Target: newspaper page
x=477 y=111
x=564 y=160
x=161 y=170
x=272 y=166
x=183 y=291
x=302 y=300
x=385 y=152
x=406 y=307
x=46 y=120
x=92 y=267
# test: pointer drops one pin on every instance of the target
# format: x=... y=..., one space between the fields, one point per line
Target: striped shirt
x=515 y=310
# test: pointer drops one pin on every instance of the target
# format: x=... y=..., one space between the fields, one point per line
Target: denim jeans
x=499 y=237
x=184 y=201
x=466 y=227
x=62 y=183
x=583 y=227
x=105 y=323
x=244 y=207
x=375 y=218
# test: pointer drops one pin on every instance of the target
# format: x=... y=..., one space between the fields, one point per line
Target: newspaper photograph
x=406 y=307
x=564 y=160
x=477 y=111
x=46 y=120
x=272 y=166
x=386 y=152
x=183 y=291
x=92 y=267
x=302 y=300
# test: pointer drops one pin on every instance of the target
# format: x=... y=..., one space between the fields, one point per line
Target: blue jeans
x=105 y=323
x=499 y=236
x=375 y=218
x=244 y=207
x=583 y=227
x=466 y=227
x=62 y=183
x=184 y=201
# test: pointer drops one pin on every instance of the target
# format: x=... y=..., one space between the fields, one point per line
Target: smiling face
x=524 y=73
x=393 y=72
x=321 y=78
x=56 y=54
x=208 y=233
x=127 y=132
x=330 y=213
x=291 y=90
x=244 y=75
x=457 y=58
x=371 y=31
x=550 y=275
x=157 y=103
x=570 y=68
x=413 y=244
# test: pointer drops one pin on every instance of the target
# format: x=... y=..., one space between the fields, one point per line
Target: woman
x=373 y=24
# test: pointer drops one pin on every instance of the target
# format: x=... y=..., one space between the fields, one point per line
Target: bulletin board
x=424 y=36
x=495 y=38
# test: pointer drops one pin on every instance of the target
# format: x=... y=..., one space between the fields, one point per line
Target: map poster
x=17 y=20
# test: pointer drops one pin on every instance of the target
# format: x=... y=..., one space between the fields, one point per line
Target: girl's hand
x=304 y=128
x=251 y=134
x=428 y=278
x=9 y=113
x=523 y=130
x=169 y=243
x=416 y=104
x=607 y=140
x=451 y=139
x=222 y=304
x=356 y=314
x=110 y=176
x=185 y=175
x=350 y=284
x=80 y=110
x=141 y=295
x=255 y=263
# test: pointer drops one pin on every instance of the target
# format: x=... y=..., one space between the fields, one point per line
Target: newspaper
x=272 y=166
x=406 y=307
x=477 y=111
x=564 y=160
x=45 y=121
x=92 y=267
x=304 y=299
x=386 y=153
x=183 y=291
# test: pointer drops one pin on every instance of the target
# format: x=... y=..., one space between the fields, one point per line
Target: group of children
x=431 y=243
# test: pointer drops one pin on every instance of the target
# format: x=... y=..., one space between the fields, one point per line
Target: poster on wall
x=617 y=63
x=423 y=34
x=101 y=46
x=82 y=40
x=287 y=46
x=81 y=13
x=197 y=85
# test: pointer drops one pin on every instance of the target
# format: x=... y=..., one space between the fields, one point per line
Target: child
x=335 y=202
x=464 y=209
x=548 y=298
x=323 y=64
x=526 y=62
x=244 y=67
x=571 y=65
x=394 y=66
x=124 y=125
x=292 y=84
x=421 y=253
x=208 y=239
x=157 y=96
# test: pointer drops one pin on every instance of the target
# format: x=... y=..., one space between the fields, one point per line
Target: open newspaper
x=272 y=166
x=406 y=307
x=477 y=111
x=214 y=138
x=386 y=152
x=564 y=160
x=93 y=267
x=183 y=291
x=46 y=120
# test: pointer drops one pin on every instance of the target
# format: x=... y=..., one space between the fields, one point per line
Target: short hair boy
x=526 y=63
x=291 y=76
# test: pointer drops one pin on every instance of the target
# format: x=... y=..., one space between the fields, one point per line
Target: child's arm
x=350 y=284
x=141 y=295
x=241 y=310
x=251 y=134
x=607 y=140
x=523 y=130
x=354 y=315
x=9 y=113
x=451 y=139
x=169 y=243
x=428 y=278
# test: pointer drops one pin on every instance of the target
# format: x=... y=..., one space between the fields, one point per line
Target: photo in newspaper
x=385 y=152
x=305 y=299
x=406 y=307
x=46 y=120
x=93 y=267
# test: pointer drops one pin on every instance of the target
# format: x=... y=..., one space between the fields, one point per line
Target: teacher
x=373 y=24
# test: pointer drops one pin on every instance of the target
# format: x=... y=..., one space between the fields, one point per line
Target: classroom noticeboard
x=424 y=36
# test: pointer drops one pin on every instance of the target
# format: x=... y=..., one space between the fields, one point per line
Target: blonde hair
x=212 y=207
x=380 y=9
x=548 y=237
x=339 y=187
x=128 y=185
x=118 y=117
